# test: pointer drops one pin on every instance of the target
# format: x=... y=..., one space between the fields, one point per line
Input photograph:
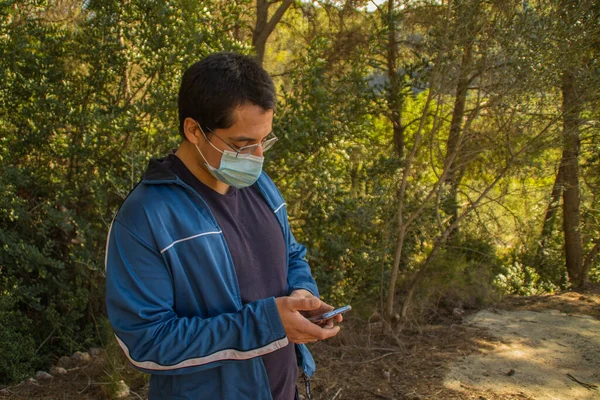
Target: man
x=206 y=287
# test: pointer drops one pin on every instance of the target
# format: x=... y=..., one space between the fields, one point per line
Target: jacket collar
x=157 y=172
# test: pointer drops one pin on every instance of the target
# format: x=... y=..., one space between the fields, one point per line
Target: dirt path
x=534 y=348
x=544 y=355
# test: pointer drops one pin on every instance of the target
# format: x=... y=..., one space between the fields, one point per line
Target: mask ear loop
x=206 y=138
x=202 y=155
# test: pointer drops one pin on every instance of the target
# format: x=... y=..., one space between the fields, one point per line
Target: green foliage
x=595 y=274
x=461 y=276
x=41 y=269
x=548 y=266
x=522 y=280
x=117 y=365
x=16 y=344
x=89 y=95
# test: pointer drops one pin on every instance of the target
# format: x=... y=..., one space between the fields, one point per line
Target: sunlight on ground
x=539 y=355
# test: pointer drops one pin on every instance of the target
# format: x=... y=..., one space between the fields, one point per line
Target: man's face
x=252 y=125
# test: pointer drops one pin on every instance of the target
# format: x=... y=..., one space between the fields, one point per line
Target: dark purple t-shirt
x=257 y=247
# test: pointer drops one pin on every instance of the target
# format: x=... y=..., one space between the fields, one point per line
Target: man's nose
x=259 y=151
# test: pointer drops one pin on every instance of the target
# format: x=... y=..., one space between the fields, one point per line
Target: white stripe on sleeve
x=188 y=238
x=226 y=354
x=279 y=208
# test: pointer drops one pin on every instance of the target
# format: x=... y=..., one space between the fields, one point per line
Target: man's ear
x=191 y=131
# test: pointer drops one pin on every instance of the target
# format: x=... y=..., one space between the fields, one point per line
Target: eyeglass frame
x=239 y=150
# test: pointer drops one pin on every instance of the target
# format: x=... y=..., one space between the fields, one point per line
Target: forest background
x=433 y=154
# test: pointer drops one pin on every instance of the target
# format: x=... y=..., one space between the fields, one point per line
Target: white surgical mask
x=236 y=169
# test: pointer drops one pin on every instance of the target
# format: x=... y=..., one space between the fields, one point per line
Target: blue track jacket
x=173 y=298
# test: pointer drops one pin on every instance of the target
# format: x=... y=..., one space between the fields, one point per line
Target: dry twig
x=336 y=394
x=588 y=386
x=376 y=358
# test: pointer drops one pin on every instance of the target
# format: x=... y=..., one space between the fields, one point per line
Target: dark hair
x=213 y=87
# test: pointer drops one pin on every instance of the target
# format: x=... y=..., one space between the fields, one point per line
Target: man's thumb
x=306 y=303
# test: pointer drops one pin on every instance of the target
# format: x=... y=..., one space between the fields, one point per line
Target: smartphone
x=330 y=314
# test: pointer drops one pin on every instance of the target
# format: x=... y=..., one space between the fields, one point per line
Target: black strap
x=307 y=386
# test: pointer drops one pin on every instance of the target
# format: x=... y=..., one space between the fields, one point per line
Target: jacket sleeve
x=140 y=305
x=299 y=275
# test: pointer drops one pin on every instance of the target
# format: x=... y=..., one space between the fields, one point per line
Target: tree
x=568 y=27
x=570 y=164
x=480 y=136
x=264 y=25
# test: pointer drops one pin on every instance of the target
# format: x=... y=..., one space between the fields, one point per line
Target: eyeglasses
x=266 y=144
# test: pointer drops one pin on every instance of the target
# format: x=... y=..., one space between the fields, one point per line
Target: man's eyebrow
x=246 y=138
x=242 y=138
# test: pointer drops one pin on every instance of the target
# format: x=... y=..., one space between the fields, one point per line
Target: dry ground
x=552 y=335
x=363 y=363
x=543 y=355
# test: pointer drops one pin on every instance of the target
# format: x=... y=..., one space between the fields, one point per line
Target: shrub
x=522 y=280
x=462 y=275
x=17 y=347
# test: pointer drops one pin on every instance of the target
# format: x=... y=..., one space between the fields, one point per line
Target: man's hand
x=297 y=328
x=328 y=324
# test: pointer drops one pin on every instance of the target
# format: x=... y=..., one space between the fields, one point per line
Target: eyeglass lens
x=266 y=145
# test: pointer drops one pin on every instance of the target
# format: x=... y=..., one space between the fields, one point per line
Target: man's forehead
x=251 y=111
x=251 y=122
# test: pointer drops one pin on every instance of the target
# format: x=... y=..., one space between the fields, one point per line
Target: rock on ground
x=122 y=390
x=43 y=375
x=66 y=362
x=81 y=357
x=95 y=351
x=56 y=370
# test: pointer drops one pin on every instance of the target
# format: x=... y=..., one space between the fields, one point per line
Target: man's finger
x=316 y=331
x=326 y=307
x=301 y=339
x=304 y=303
x=329 y=332
x=312 y=333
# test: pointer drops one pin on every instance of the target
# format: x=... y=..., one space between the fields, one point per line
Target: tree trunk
x=570 y=159
x=259 y=40
x=550 y=217
x=395 y=112
x=450 y=203
x=394 y=95
x=389 y=309
x=265 y=26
